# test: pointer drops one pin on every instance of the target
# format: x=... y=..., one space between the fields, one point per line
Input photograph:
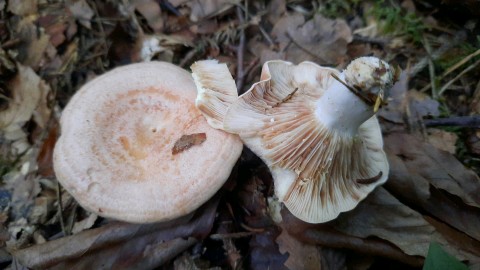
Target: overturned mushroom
x=135 y=148
x=314 y=127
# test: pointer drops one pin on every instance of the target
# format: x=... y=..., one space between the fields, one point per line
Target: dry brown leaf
x=404 y=103
x=397 y=101
x=45 y=155
x=82 y=12
x=422 y=105
x=301 y=256
x=85 y=223
x=326 y=235
x=442 y=140
x=320 y=39
x=35 y=42
x=383 y=216
x=23 y=7
x=434 y=181
x=121 y=245
x=151 y=11
x=29 y=94
x=205 y=8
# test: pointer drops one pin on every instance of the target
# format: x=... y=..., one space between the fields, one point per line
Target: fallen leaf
x=23 y=7
x=82 y=12
x=326 y=235
x=28 y=92
x=397 y=101
x=385 y=217
x=313 y=40
x=300 y=255
x=85 y=223
x=205 y=8
x=121 y=245
x=151 y=11
x=34 y=42
x=422 y=105
x=410 y=105
x=443 y=140
x=187 y=141
x=45 y=156
x=435 y=181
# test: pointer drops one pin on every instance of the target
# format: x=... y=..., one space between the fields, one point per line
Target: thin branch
x=465 y=71
x=456 y=121
x=453 y=68
x=240 y=52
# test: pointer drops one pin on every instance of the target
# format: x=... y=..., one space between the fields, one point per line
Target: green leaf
x=438 y=259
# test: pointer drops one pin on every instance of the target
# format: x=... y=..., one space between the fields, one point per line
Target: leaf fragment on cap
x=187 y=141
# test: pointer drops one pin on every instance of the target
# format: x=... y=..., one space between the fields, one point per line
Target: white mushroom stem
x=342 y=110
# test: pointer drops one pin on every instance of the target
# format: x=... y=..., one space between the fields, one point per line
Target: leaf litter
x=49 y=49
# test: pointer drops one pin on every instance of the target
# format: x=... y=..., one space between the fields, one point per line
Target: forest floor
x=426 y=215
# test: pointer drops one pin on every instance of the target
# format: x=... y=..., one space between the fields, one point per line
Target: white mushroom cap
x=320 y=140
x=135 y=148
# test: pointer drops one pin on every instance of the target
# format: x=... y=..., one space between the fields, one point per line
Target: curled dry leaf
x=313 y=40
x=151 y=11
x=206 y=8
x=410 y=104
x=121 y=245
x=300 y=255
x=385 y=217
x=29 y=94
x=435 y=181
x=443 y=140
x=23 y=7
x=327 y=236
x=82 y=12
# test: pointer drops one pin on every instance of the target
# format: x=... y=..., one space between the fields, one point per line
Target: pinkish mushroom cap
x=134 y=147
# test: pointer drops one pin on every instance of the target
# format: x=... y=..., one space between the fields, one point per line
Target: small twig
x=456 y=121
x=377 y=41
x=165 y=4
x=445 y=87
x=453 y=68
x=60 y=208
x=188 y=57
x=431 y=67
x=240 y=52
x=219 y=236
x=420 y=65
x=251 y=229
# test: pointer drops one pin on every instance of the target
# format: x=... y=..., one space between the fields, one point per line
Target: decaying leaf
x=410 y=105
x=434 y=180
x=300 y=255
x=443 y=140
x=326 y=235
x=121 y=245
x=82 y=12
x=312 y=40
x=27 y=92
x=383 y=216
x=151 y=11
x=187 y=141
x=205 y=8
x=23 y=7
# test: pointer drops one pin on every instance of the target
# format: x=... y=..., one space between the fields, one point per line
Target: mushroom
x=315 y=128
x=135 y=148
